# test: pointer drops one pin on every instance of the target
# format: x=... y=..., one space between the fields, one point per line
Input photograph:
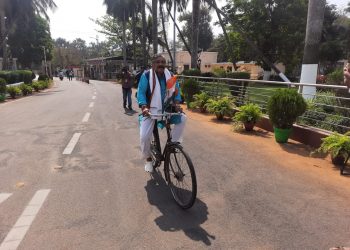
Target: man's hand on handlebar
x=178 y=108
x=145 y=111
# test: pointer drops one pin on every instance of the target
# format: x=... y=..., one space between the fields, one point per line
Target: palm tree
x=195 y=32
x=143 y=37
x=121 y=9
x=155 y=26
x=181 y=5
x=14 y=9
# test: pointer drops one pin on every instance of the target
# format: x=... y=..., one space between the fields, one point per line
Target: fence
x=328 y=109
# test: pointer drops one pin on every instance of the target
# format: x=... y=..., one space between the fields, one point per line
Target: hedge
x=17 y=76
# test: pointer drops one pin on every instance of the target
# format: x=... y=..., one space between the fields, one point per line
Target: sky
x=72 y=19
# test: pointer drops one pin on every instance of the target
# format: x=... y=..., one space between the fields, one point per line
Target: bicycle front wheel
x=181 y=177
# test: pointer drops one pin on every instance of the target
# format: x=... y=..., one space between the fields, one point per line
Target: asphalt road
x=99 y=197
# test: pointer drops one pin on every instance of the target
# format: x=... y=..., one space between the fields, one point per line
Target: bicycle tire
x=176 y=174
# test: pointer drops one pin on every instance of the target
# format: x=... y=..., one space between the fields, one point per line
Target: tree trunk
x=134 y=37
x=155 y=26
x=180 y=33
x=144 y=27
x=3 y=38
x=124 y=39
x=228 y=42
x=195 y=32
x=314 y=28
x=165 y=36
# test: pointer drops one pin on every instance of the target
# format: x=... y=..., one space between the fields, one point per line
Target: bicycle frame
x=160 y=156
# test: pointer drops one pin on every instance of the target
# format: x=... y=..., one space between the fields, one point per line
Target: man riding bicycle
x=158 y=91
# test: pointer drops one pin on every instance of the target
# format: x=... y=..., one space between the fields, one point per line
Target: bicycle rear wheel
x=181 y=177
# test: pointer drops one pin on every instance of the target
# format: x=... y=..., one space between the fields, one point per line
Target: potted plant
x=220 y=107
x=338 y=146
x=200 y=101
x=249 y=115
x=283 y=108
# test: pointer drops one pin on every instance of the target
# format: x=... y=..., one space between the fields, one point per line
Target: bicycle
x=178 y=165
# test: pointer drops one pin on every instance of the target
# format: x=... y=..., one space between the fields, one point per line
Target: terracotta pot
x=203 y=110
x=219 y=116
x=249 y=126
x=338 y=160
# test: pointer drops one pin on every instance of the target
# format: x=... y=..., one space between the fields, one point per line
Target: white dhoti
x=146 y=133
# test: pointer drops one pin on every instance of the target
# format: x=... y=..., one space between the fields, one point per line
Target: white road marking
x=91 y=105
x=86 y=117
x=4 y=196
x=69 y=149
x=94 y=97
x=19 y=230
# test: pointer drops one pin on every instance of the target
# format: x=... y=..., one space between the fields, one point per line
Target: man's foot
x=130 y=108
x=149 y=167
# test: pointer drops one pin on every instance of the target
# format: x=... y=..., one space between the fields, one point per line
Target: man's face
x=159 y=65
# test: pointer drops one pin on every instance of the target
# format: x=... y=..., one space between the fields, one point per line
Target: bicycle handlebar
x=165 y=114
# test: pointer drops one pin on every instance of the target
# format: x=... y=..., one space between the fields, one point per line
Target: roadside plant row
x=23 y=89
x=284 y=107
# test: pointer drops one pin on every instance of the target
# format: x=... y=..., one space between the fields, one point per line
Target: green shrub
x=336 y=145
x=249 y=113
x=208 y=74
x=238 y=75
x=284 y=107
x=220 y=107
x=36 y=86
x=326 y=100
x=13 y=91
x=26 y=89
x=190 y=87
x=219 y=72
x=16 y=76
x=2 y=97
x=44 y=84
x=335 y=78
x=191 y=72
x=43 y=77
x=200 y=101
x=2 y=86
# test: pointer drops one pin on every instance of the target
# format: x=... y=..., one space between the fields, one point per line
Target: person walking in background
x=71 y=75
x=127 y=84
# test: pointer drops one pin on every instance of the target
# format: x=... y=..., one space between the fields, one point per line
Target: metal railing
x=328 y=108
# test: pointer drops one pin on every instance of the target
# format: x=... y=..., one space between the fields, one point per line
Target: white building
x=183 y=60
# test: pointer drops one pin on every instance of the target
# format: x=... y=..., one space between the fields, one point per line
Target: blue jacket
x=144 y=90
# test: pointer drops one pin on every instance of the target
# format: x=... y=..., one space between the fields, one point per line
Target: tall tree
x=18 y=9
x=223 y=27
x=28 y=41
x=155 y=26
x=195 y=32
x=122 y=10
x=205 y=34
x=314 y=27
x=275 y=28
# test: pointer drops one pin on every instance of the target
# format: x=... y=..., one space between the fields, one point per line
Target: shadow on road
x=173 y=218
